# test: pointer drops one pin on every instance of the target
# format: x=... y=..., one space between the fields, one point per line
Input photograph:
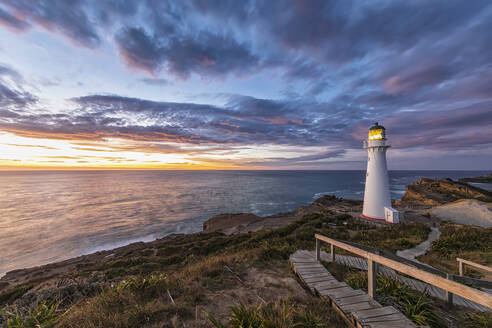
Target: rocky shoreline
x=87 y=276
x=424 y=193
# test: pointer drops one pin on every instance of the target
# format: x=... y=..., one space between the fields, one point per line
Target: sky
x=211 y=84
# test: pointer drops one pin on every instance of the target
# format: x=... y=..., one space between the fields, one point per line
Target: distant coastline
x=91 y=222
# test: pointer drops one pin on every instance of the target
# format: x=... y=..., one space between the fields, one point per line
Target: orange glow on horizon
x=24 y=153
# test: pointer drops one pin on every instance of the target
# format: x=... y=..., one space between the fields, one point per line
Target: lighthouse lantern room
x=377 y=201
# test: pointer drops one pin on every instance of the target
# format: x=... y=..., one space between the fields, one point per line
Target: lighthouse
x=377 y=201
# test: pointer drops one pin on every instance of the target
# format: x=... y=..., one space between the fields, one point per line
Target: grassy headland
x=173 y=283
x=218 y=280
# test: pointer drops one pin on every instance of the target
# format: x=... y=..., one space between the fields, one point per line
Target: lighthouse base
x=373 y=219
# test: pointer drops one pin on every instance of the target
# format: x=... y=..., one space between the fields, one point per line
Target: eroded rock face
x=434 y=192
x=466 y=211
x=227 y=221
x=487 y=178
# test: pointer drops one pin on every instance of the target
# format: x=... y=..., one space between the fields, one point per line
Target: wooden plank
x=314 y=279
x=324 y=272
x=309 y=266
x=308 y=270
x=349 y=308
x=311 y=280
x=473 y=264
x=328 y=284
x=472 y=294
x=390 y=324
x=364 y=314
x=340 y=292
x=355 y=299
x=301 y=262
x=303 y=273
x=322 y=289
x=311 y=269
x=314 y=275
x=384 y=318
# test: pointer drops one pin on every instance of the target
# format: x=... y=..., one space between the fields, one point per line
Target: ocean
x=55 y=215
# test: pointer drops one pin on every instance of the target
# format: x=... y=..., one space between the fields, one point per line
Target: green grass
x=14 y=293
x=42 y=315
x=417 y=306
x=477 y=320
x=193 y=266
x=456 y=240
x=283 y=314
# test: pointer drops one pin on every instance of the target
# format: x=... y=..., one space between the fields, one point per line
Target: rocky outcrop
x=433 y=192
x=487 y=178
x=224 y=222
x=466 y=211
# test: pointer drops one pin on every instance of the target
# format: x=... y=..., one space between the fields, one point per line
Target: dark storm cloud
x=408 y=64
x=11 y=21
x=301 y=160
x=205 y=54
x=69 y=17
x=12 y=94
x=242 y=121
x=250 y=121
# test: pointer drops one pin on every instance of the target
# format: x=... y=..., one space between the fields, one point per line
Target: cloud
x=155 y=82
x=421 y=68
x=71 y=18
x=13 y=95
x=313 y=159
x=12 y=22
x=206 y=54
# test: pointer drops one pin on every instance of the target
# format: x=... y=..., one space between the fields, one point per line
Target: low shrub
x=41 y=316
x=283 y=314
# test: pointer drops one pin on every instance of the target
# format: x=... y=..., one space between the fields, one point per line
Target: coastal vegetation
x=283 y=314
x=218 y=280
x=179 y=279
x=469 y=242
x=417 y=306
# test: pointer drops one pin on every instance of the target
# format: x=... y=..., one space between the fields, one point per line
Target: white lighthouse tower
x=377 y=201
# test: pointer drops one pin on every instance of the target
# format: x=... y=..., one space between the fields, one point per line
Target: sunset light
x=199 y=163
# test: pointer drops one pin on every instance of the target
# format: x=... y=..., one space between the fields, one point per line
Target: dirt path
x=421 y=248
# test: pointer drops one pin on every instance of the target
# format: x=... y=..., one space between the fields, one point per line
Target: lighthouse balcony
x=375 y=143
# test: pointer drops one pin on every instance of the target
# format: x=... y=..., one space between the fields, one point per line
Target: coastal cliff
x=487 y=178
x=433 y=192
x=175 y=280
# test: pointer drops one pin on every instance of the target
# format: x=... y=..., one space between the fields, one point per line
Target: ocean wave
x=116 y=244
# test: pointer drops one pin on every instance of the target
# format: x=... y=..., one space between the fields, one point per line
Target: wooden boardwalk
x=356 y=307
x=361 y=264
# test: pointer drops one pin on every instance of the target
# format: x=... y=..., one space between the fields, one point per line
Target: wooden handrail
x=450 y=286
x=470 y=263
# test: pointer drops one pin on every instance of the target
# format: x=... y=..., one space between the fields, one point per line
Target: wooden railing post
x=469 y=293
x=461 y=268
x=318 y=242
x=332 y=251
x=371 y=278
x=449 y=295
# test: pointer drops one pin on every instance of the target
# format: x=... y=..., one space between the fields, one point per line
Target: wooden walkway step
x=361 y=264
x=356 y=307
